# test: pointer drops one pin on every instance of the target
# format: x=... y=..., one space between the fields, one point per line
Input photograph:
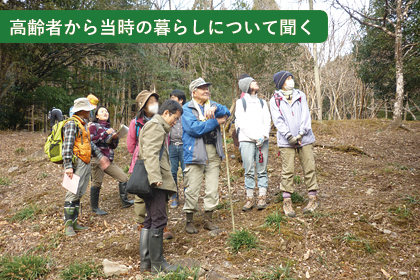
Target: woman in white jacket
x=253 y=125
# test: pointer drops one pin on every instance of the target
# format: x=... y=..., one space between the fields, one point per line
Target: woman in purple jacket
x=107 y=140
x=290 y=114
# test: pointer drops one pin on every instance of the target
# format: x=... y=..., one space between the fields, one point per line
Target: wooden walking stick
x=228 y=178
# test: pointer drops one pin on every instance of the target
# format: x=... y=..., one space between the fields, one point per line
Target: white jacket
x=255 y=123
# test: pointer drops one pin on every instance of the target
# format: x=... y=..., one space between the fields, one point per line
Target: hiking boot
x=248 y=205
x=94 y=201
x=123 y=195
x=167 y=234
x=209 y=225
x=287 y=207
x=190 y=228
x=312 y=205
x=174 y=202
x=262 y=204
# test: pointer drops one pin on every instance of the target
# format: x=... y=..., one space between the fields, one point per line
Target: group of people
x=188 y=135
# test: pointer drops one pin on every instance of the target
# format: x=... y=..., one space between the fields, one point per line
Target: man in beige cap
x=77 y=150
x=203 y=151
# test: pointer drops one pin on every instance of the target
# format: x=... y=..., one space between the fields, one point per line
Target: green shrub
x=27 y=213
x=126 y=168
x=181 y=274
x=275 y=219
x=76 y=271
x=5 y=181
x=26 y=267
x=296 y=198
x=242 y=239
x=19 y=150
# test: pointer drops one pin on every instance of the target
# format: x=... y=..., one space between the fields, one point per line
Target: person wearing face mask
x=290 y=114
x=107 y=140
x=148 y=107
x=253 y=125
x=76 y=151
x=153 y=143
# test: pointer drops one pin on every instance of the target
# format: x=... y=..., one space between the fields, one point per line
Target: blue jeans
x=250 y=154
x=176 y=156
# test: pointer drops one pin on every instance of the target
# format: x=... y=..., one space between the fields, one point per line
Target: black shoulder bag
x=139 y=183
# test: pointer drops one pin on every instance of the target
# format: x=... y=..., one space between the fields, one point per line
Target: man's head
x=82 y=107
x=178 y=96
x=200 y=90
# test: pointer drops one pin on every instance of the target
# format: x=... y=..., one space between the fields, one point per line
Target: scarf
x=200 y=114
x=288 y=94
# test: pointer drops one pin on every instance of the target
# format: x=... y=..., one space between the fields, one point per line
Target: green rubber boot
x=68 y=214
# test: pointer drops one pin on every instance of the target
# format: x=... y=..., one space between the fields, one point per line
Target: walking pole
x=228 y=179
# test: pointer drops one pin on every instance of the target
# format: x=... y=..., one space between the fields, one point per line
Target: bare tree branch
x=351 y=13
x=407 y=8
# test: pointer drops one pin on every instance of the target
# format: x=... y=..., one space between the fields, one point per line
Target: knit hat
x=144 y=96
x=280 y=77
x=245 y=83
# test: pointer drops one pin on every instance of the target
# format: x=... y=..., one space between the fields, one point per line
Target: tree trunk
x=397 y=118
x=316 y=73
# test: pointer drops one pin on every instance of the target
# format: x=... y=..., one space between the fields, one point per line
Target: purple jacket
x=290 y=119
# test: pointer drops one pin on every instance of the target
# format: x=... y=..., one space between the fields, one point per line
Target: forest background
x=355 y=82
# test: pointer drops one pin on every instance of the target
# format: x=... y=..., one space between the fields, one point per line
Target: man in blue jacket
x=203 y=151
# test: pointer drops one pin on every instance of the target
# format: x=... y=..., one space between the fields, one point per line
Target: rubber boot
x=144 y=250
x=76 y=226
x=123 y=194
x=158 y=262
x=68 y=218
x=94 y=201
x=208 y=216
x=190 y=228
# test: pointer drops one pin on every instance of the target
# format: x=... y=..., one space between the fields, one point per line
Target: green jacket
x=151 y=139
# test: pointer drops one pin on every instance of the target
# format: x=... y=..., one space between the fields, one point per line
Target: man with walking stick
x=203 y=151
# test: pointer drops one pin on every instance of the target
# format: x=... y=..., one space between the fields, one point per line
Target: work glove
x=259 y=142
x=299 y=137
x=292 y=140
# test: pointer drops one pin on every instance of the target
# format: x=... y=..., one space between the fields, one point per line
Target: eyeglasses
x=176 y=118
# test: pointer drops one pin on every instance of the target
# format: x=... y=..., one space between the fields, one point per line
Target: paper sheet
x=71 y=184
x=122 y=131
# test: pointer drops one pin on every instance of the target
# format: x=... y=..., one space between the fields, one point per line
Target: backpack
x=54 y=144
x=235 y=133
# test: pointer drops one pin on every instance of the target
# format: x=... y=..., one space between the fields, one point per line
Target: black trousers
x=156 y=217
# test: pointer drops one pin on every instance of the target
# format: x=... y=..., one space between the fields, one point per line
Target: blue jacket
x=290 y=119
x=194 y=130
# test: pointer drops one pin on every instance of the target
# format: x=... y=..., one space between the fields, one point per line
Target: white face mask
x=153 y=108
x=290 y=84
